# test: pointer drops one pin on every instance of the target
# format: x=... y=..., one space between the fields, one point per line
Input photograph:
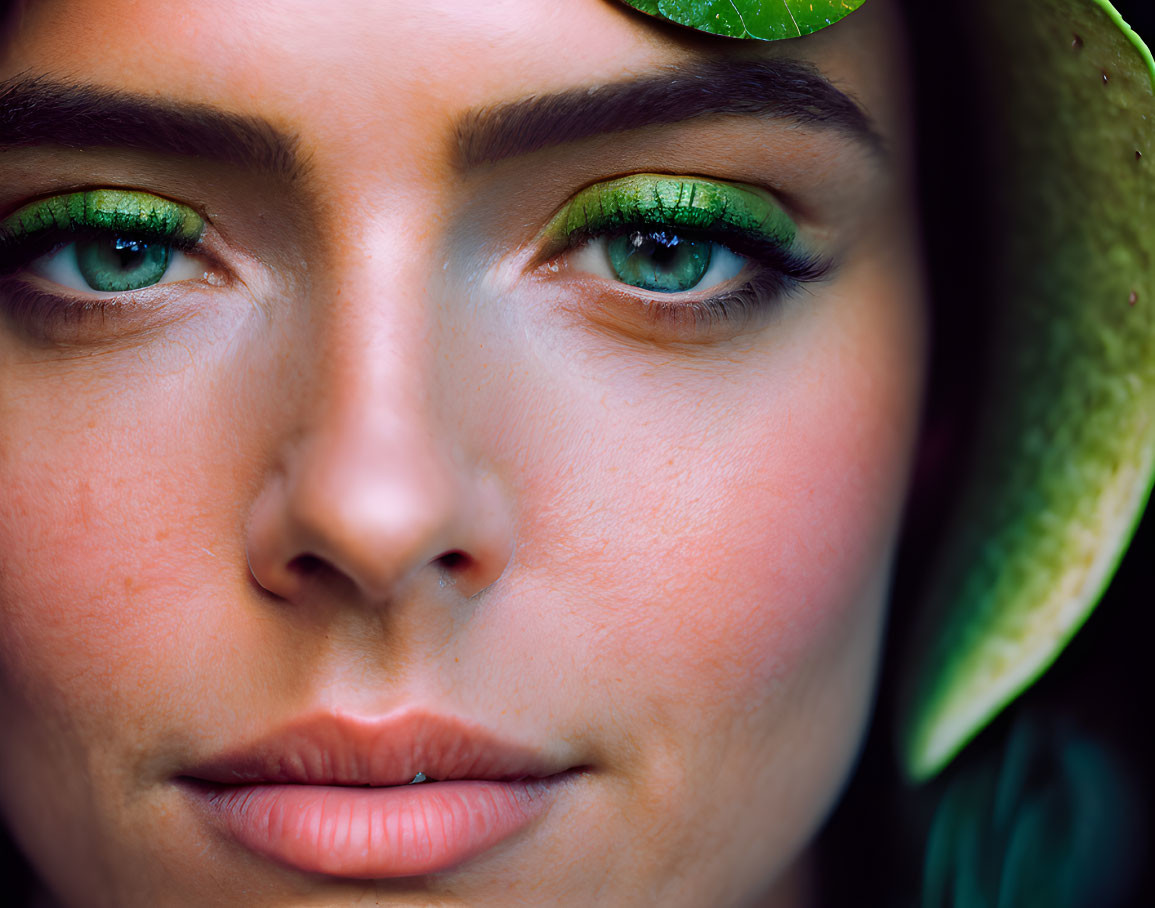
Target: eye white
x=61 y=267
x=593 y=258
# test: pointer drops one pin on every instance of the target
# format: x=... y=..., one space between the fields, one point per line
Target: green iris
x=657 y=260
x=123 y=239
x=116 y=264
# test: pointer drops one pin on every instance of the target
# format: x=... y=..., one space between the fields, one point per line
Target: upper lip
x=330 y=749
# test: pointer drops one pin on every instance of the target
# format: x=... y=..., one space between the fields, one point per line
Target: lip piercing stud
x=419 y=778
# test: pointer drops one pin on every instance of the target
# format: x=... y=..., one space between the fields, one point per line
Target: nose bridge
x=371 y=368
x=373 y=483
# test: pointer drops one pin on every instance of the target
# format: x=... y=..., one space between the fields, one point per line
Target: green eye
x=668 y=234
x=708 y=255
x=656 y=260
x=115 y=264
x=103 y=240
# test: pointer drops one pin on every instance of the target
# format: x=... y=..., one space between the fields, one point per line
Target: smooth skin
x=381 y=457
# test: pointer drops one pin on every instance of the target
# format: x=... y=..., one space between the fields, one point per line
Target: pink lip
x=330 y=794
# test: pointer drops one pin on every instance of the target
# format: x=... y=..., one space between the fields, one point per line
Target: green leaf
x=766 y=20
x=1065 y=454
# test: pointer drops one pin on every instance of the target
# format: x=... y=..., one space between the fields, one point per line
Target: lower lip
x=372 y=833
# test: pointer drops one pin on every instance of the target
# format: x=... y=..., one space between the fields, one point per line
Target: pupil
x=659 y=260
x=129 y=252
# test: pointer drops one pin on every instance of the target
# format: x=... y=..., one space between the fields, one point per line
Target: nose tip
x=376 y=525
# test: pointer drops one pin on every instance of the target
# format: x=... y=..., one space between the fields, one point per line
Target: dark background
x=1141 y=15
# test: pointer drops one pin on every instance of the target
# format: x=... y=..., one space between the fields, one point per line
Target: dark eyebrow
x=779 y=89
x=39 y=111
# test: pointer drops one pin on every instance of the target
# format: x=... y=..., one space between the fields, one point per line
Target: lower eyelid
x=707 y=316
x=44 y=316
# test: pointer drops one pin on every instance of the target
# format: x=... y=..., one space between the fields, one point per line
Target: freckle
x=1077 y=42
x=1133 y=298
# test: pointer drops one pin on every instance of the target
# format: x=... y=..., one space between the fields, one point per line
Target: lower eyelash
x=43 y=317
x=740 y=307
x=779 y=274
x=30 y=309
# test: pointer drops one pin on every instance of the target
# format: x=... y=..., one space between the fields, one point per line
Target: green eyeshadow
x=689 y=203
x=129 y=212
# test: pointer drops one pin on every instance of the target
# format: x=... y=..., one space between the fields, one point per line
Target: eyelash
x=37 y=310
x=21 y=252
x=780 y=273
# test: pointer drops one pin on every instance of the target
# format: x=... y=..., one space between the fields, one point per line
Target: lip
x=330 y=794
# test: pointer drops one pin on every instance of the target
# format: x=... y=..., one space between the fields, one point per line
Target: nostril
x=454 y=561
x=313 y=572
x=453 y=567
x=307 y=566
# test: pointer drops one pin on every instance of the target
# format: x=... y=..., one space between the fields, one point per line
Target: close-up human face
x=521 y=394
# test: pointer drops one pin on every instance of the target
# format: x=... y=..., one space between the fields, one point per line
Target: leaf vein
x=790 y=13
x=741 y=19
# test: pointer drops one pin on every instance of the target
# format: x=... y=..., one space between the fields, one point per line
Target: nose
x=371 y=491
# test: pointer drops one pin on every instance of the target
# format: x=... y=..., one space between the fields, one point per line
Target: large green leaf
x=1066 y=444
x=767 y=20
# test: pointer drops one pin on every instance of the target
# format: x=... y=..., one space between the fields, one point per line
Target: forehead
x=349 y=70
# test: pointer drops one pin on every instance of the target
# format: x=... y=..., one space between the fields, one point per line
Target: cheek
x=104 y=540
x=736 y=562
x=727 y=541
x=758 y=570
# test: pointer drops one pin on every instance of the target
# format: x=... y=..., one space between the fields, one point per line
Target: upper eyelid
x=572 y=222
x=185 y=228
x=75 y=188
x=120 y=208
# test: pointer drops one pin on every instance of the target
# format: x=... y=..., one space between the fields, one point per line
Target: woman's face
x=390 y=467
